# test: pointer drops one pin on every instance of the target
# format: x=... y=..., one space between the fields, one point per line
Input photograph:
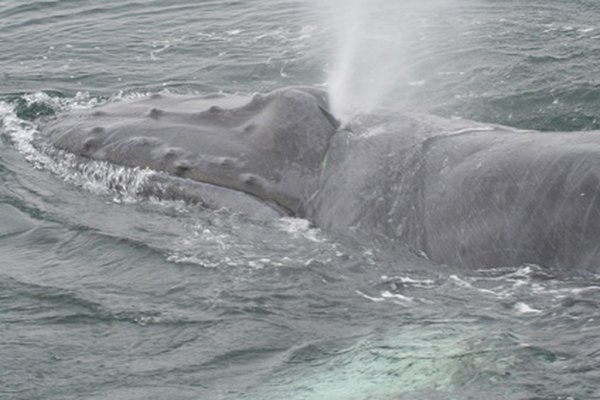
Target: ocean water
x=105 y=294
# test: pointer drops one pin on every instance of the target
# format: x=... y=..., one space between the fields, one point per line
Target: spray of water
x=368 y=51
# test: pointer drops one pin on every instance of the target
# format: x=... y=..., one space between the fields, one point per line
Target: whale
x=461 y=193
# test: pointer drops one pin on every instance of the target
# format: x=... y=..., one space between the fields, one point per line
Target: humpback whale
x=463 y=193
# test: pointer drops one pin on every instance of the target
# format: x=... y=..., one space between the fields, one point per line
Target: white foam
x=100 y=177
x=467 y=283
x=371 y=298
x=422 y=283
x=523 y=308
x=397 y=296
x=386 y=295
x=300 y=227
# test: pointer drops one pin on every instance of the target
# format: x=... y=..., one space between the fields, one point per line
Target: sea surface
x=106 y=294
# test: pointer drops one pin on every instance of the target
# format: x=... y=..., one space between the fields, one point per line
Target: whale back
x=465 y=194
x=372 y=184
x=512 y=198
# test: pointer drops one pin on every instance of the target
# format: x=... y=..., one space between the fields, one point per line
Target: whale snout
x=268 y=146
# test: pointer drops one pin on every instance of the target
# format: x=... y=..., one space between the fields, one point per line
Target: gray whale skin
x=463 y=193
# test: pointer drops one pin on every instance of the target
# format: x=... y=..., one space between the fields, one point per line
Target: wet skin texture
x=463 y=193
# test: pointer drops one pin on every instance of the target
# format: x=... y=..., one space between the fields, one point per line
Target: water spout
x=367 y=56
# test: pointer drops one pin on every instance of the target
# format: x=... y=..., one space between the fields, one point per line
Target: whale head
x=270 y=146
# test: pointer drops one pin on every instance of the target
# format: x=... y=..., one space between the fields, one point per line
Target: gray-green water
x=108 y=295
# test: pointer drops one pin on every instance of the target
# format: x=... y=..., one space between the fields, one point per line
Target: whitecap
x=523 y=308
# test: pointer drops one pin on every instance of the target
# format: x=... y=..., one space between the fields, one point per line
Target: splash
x=125 y=184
